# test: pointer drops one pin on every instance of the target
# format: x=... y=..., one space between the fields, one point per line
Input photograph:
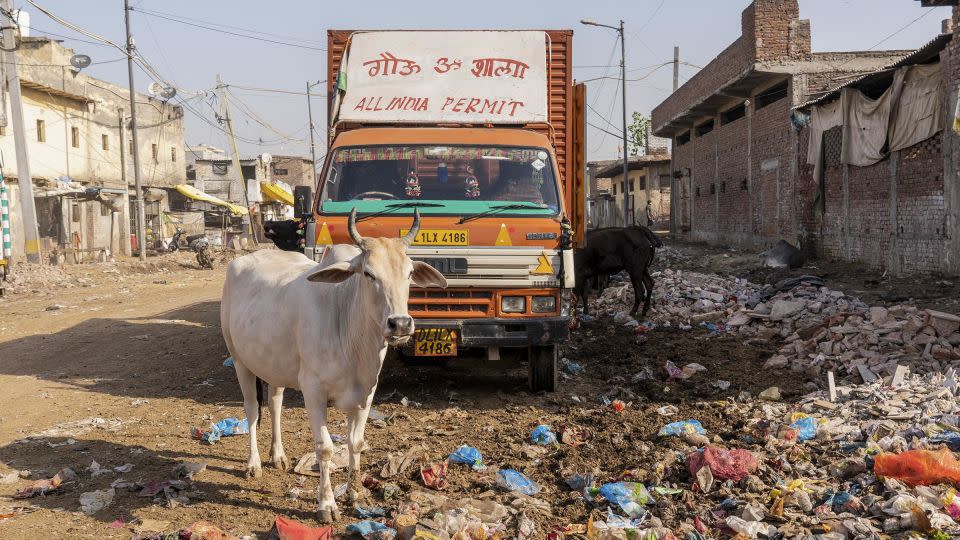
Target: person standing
x=649 y=214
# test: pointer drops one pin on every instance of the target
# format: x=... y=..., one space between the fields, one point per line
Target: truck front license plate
x=434 y=342
x=440 y=237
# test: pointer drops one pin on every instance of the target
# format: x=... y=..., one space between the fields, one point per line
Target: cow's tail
x=261 y=393
x=652 y=236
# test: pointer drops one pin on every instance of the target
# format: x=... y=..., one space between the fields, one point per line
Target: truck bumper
x=496 y=332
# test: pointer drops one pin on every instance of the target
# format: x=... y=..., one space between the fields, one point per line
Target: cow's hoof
x=328 y=515
x=254 y=471
x=281 y=463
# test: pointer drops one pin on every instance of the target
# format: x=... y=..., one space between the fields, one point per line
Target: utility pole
x=125 y=225
x=141 y=217
x=676 y=67
x=225 y=110
x=626 y=154
x=28 y=209
x=313 y=151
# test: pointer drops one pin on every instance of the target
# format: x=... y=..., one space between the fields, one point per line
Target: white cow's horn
x=414 y=229
x=352 y=228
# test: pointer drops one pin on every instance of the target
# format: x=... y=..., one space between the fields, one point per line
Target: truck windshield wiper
x=501 y=208
x=397 y=206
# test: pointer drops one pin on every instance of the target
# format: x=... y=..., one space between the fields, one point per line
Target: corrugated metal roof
x=635 y=163
x=925 y=53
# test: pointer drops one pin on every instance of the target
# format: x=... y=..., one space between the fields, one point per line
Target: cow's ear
x=335 y=273
x=425 y=275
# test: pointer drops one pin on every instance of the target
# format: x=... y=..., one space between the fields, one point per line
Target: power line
x=650 y=20
x=651 y=72
x=603 y=130
x=212 y=23
x=275 y=90
x=228 y=32
x=596 y=112
x=245 y=109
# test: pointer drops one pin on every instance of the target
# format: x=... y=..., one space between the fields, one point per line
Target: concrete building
x=648 y=179
x=741 y=136
x=81 y=164
x=598 y=193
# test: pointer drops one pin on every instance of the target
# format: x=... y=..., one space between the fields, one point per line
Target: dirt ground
x=140 y=347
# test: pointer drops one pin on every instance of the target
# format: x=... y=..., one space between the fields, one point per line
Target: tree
x=637 y=134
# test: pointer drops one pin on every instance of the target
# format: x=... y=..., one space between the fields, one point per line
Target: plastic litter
x=434 y=475
x=467 y=455
x=367 y=512
x=514 y=480
x=807 y=428
x=724 y=464
x=92 y=502
x=42 y=487
x=629 y=496
x=228 y=362
x=288 y=529
x=919 y=467
x=224 y=428
x=680 y=427
x=572 y=368
x=204 y=530
x=543 y=436
x=372 y=530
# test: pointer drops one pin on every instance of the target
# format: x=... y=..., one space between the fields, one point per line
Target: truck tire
x=543 y=368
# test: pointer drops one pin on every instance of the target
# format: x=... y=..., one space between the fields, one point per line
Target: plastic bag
x=681 y=427
x=806 y=428
x=629 y=496
x=543 y=436
x=724 y=464
x=372 y=530
x=919 y=467
x=516 y=481
x=468 y=455
x=232 y=426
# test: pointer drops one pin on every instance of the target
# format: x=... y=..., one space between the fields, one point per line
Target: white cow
x=322 y=328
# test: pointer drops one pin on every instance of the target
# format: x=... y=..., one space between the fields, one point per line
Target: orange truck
x=482 y=132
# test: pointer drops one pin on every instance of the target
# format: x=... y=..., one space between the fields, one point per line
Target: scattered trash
x=629 y=496
x=372 y=530
x=224 y=428
x=618 y=405
x=724 y=464
x=92 y=502
x=229 y=363
x=42 y=487
x=307 y=464
x=806 y=428
x=434 y=475
x=919 y=467
x=288 y=529
x=189 y=469
x=543 y=436
x=125 y=468
x=400 y=462
x=467 y=455
x=572 y=368
x=515 y=481
x=681 y=427
x=367 y=512
x=204 y=530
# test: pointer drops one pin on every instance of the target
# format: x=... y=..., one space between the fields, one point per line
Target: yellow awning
x=277 y=193
x=198 y=195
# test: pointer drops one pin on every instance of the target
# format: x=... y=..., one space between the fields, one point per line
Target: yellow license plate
x=440 y=237
x=434 y=342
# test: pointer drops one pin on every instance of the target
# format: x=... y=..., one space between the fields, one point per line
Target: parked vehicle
x=482 y=132
x=198 y=243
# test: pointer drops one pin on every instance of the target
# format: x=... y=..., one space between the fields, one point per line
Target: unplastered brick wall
x=771 y=172
x=704 y=178
x=889 y=216
x=734 y=202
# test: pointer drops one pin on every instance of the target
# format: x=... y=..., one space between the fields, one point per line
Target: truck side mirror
x=302 y=201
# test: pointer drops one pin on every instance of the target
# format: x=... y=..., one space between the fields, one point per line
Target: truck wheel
x=543 y=368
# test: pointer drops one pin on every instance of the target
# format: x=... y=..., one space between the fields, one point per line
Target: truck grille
x=460 y=303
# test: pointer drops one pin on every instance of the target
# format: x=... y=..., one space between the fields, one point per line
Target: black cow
x=284 y=233
x=613 y=249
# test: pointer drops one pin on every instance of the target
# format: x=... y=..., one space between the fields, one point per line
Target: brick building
x=648 y=180
x=740 y=173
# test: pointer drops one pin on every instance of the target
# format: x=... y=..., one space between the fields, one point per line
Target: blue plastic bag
x=232 y=426
x=950 y=438
x=228 y=362
x=516 y=481
x=681 y=427
x=573 y=368
x=366 y=512
x=372 y=530
x=543 y=436
x=806 y=428
x=468 y=455
x=629 y=496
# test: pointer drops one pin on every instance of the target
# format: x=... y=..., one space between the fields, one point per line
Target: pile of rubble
x=874 y=343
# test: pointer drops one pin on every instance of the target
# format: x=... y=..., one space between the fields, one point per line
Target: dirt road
x=116 y=363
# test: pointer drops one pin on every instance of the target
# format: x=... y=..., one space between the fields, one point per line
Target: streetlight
x=623 y=81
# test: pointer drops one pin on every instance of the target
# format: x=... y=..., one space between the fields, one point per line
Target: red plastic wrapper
x=725 y=464
x=288 y=529
x=919 y=467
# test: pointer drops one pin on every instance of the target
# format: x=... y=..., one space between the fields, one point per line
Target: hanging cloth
x=918 y=114
x=822 y=118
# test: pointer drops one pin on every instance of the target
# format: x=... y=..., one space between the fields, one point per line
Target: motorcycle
x=198 y=243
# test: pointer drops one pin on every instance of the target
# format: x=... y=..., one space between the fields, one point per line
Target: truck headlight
x=543 y=304
x=513 y=304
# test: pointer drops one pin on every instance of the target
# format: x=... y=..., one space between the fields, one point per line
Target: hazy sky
x=191 y=57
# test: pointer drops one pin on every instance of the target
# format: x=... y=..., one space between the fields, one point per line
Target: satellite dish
x=168 y=92
x=155 y=88
x=80 y=61
x=266 y=158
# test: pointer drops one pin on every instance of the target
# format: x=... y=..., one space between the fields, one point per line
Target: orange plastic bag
x=919 y=467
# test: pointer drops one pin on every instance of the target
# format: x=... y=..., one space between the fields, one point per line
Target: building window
x=219 y=168
x=723 y=187
x=743 y=185
x=3 y=130
x=698 y=191
x=153 y=151
x=75 y=213
x=173 y=153
x=41 y=131
x=75 y=137
x=131 y=147
x=771 y=95
x=614 y=189
x=643 y=182
x=683 y=139
x=704 y=128
x=105 y=142
x=280 y=172
x=713 y=189
x=735 y=113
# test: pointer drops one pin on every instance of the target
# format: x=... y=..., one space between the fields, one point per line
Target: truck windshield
x=465 y=179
